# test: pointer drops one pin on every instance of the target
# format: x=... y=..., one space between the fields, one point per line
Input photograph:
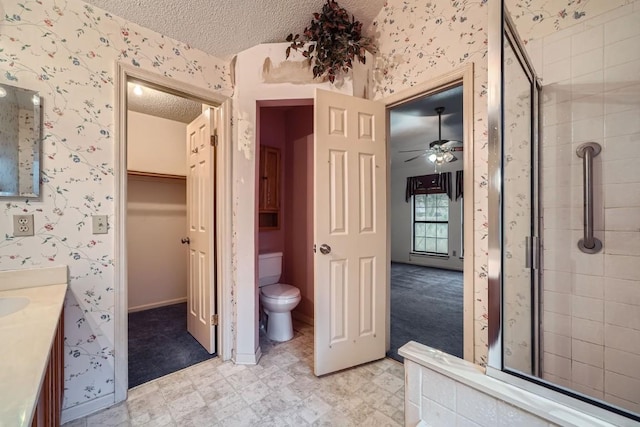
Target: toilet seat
x=280 y=292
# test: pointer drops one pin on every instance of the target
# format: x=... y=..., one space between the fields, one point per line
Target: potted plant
x=333 y=41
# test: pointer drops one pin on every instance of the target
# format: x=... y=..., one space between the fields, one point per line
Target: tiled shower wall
x=591 y=303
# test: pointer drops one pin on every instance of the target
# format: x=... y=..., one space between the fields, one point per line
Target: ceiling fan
x=441 y=150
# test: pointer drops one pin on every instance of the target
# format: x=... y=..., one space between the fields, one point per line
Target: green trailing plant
x=333 y=41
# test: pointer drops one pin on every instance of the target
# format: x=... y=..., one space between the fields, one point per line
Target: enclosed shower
x=565 y=257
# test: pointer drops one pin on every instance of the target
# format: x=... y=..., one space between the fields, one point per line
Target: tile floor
x=280 y=391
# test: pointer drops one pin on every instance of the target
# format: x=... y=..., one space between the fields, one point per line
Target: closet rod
x=156 y=175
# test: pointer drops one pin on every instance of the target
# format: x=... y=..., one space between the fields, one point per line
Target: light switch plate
x=100 y=224
x=22 y=225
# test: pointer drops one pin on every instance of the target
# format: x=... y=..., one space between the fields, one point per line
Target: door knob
x=185 y=240
x=325 y=249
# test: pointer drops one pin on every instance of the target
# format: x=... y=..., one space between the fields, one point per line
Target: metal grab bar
x=589 y=243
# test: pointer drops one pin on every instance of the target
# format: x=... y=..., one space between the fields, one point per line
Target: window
x=431 y=223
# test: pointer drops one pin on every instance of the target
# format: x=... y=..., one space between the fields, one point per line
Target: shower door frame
x=496 y=167
x=499 y=25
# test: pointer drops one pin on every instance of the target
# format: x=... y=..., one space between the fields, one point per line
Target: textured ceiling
x=224 y=28
x=415 y=124
x=161 y=104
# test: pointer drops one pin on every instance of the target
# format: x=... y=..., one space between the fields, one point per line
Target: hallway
x=280 y=391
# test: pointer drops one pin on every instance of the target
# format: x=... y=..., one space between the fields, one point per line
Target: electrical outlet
x=22 y=225
x=100 y=225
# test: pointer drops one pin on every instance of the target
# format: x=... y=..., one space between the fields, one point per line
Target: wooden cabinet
x=269 y=188
x=49 y=407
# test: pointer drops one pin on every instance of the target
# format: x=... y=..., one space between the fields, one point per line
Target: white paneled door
x=201 y=175
x=350 y=231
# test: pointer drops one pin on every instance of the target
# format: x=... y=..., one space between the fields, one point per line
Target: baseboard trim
x=87 y=408
x=303 y=318
x=248 y=359
x=157 y=304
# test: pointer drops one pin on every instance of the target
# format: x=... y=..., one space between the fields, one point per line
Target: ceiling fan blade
x=451 y=144
x=412 y=151
x=413 y=158
x=455 y=149
x=438 y=143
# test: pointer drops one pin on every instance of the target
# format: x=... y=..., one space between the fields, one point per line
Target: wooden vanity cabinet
x=269 y=188
x=49 y=407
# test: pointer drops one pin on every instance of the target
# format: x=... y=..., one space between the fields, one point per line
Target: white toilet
x=277 y=299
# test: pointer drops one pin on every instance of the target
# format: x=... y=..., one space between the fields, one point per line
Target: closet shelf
x=155 y=175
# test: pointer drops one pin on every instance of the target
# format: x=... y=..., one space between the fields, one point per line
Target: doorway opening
x=430 y=201
x=157 y=253
x=156 y=196
x=426 y=142
x=285 y=200
x=342 y=230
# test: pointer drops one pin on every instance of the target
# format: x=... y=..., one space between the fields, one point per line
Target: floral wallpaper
x=66 y=50
x=422 y=39
x=8 y=149
x=538 y=18
x=27 y=151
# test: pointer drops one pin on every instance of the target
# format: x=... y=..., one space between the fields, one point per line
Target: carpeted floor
x=160 y=344
x=426 y=307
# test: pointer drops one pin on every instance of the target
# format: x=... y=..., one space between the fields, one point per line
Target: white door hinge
x=214 y=319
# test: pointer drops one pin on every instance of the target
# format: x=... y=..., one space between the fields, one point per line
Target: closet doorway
x=210 y=140
x=157 y=223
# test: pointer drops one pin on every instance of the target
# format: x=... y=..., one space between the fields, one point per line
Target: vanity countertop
x=26 y=337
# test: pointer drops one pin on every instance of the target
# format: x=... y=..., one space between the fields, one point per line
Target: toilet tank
x=269 y=268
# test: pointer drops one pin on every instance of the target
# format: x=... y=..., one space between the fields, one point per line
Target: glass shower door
x=519 y=215
x=570 y=311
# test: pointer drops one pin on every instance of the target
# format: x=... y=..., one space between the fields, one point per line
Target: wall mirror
x=20 y=142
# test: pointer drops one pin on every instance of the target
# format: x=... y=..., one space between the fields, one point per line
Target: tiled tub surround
x=442 y=390
x=26 y=338
x=591 y=303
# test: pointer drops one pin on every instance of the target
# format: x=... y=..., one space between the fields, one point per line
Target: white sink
x=10 y=305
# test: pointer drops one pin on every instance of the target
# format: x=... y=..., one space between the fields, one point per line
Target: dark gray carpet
x=426 y=307
x=159 y=343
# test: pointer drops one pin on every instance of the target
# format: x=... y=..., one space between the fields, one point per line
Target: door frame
x=464 y=76
x=223 y=230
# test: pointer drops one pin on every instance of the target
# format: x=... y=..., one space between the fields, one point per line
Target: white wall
x=157 y=261
x=591 y=317
x=156 y=212
x=401 y=213
x=158 y=144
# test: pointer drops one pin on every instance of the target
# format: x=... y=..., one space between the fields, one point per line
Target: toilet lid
x=280 y=291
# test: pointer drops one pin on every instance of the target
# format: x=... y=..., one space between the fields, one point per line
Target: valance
x=429 y=184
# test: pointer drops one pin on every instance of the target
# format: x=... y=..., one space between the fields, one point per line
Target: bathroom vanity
x=32 y=357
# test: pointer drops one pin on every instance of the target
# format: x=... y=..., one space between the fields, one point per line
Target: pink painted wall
x=298 y=205
x=290 y=128
x=272 y=132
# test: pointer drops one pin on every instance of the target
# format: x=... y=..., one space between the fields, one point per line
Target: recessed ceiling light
x=137 y=90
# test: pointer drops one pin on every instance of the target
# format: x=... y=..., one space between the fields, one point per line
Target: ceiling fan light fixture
x=448 y=157
x=439 y=151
